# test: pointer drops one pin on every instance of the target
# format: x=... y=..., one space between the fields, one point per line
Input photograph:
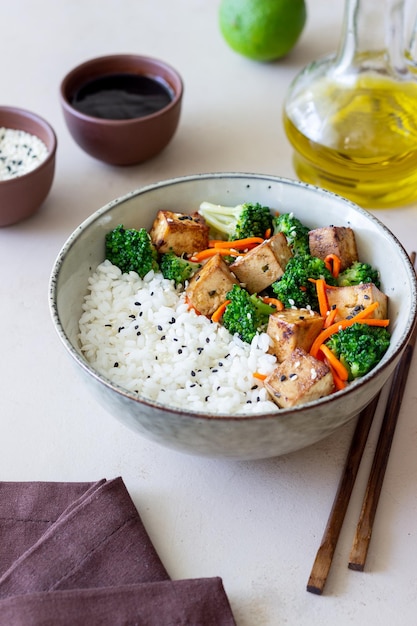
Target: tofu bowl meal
x=233 y=315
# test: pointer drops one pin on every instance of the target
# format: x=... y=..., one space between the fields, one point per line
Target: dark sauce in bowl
x=121 y=96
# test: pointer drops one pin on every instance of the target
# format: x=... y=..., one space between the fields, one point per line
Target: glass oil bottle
x=352 y=117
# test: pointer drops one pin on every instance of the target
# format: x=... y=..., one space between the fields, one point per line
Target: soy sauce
x=121 y=96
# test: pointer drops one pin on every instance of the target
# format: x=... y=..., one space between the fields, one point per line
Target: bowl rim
x=177 y=411
x=41 y=121
x=176 y=93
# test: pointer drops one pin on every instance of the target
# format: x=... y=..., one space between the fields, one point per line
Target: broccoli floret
x=237 y=222
x=294 y=287
x=359 y=347
x=359 y=273
x=177 y=268
x=295 y=232
x=131 y=250
x=246 y=314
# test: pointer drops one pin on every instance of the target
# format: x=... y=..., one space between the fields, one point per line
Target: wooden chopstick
x=324 y=557
x=363 y=532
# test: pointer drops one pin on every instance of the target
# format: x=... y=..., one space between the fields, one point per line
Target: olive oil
x=357 y=138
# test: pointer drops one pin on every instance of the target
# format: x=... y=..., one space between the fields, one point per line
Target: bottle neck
x=372 y=38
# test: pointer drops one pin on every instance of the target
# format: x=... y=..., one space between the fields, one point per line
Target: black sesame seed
x=159 y=327
x=283 y=377
x=192 y=373
x=163 y=337
x=137 y=303
x=116 y=364
x=214 y=370
x=179 y=351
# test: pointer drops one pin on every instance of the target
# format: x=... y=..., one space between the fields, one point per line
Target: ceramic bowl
x=22 y=195
x=233 y=436
x=122 y=141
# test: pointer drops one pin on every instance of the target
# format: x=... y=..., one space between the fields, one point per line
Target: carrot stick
x=274 y=302
x=334 y=362
x=238 y=244
x=267 y=233
x=202 y=255
x=334 y=328
x=367 y=311
x=322 y=297
x=338 y=382
x=218 y=313
x=259 y=376
x=330 y=317
x=333 y=263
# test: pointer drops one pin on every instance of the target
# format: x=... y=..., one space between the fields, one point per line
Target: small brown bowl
x=22 y=195
x=122 y=141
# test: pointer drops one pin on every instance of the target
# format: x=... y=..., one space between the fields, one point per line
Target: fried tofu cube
x=208 y=288
x=293 y=328
x=179 y=232
x=299 y=379
x=353 y=298
x=338 y=240
x=264 y=264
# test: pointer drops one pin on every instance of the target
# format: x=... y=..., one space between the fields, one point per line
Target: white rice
x=140 y=334
x=20 y=152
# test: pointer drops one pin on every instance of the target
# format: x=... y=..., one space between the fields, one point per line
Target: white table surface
x=255 y=524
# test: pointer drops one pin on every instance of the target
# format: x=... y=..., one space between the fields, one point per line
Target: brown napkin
x=78 y=553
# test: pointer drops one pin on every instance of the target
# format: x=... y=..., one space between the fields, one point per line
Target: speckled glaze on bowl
x=22 y=196
x=229 y=436
x=127 y=141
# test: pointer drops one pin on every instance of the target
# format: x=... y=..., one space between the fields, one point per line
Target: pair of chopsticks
x=362 y=538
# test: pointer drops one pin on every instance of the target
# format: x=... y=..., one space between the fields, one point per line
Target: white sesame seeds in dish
x=20 y=152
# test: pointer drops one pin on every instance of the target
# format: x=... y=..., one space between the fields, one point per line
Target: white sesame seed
x=20 y=152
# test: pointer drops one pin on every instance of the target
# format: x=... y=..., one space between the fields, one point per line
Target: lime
x=262 y=30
